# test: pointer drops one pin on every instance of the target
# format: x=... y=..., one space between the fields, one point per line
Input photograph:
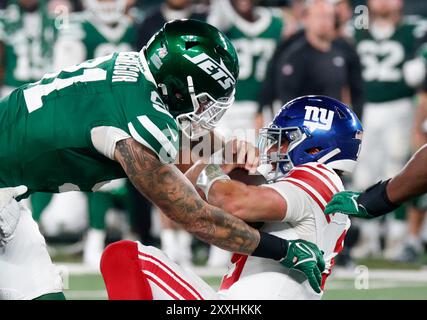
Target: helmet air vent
x=221 y=51
x=191 y=44
x=340 y=113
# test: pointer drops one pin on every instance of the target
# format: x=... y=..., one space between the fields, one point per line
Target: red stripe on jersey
x=315 y=198
x=319 y=171
x=314 y=182
x=338 y=248
x=239 y=261
x=322 y=166
x=161 y=286
x=168 y=273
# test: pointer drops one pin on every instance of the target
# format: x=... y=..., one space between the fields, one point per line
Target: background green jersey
x=27 y=38
x=59 y=134
x=255 y=44
x=98 y=39
x=383 y=60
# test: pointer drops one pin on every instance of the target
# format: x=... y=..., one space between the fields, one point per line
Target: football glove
x=10 y=212
x=307 y=258
x=346 y=203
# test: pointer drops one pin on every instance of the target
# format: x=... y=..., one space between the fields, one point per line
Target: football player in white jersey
x=311 y=142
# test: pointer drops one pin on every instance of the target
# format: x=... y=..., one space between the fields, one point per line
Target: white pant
x=26 y=270
x=169 y=281
x=386 y=141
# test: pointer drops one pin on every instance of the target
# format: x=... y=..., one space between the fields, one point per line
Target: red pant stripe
x=162 y=286
x=170 y=277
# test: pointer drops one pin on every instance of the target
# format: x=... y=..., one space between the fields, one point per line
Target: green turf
x=401 y=293
x=92 y=287
x=381 y=263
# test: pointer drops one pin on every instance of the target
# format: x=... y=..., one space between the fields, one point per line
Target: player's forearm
x=177 y=198
x=249 y=203
x=229 y=195
x=411 y=181
x=384 y=197
x=234 y=197
x=419 y=133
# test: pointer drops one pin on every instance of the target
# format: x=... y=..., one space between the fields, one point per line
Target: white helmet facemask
x=206 y=115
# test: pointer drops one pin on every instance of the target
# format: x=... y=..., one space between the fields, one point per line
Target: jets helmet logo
x=318 y=118
x=218 y=71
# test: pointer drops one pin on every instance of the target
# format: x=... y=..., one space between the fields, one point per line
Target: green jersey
x=27 y=38
x=255 y=43
x=383 y=59
x=59 y=134
x=83 y=37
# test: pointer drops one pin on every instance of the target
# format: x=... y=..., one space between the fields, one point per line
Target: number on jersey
x=381 y=61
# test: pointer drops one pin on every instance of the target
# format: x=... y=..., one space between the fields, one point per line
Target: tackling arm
x=411 y=181
x=167 y=187
x=249 y=203
x=241 y=200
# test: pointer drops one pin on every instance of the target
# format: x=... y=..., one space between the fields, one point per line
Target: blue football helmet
x=316 y=129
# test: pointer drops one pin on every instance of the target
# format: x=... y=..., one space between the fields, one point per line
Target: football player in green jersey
x=26 y=36
x=101 y=29
x=385 y=48
x=116 y=116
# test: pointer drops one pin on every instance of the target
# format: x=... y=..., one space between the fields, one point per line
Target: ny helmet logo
x=318 y=118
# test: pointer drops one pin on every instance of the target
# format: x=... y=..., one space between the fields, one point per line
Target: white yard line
x=81 y=269
x=338 y=273
x=384 y=274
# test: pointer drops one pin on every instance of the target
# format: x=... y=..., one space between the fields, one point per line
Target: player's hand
x=346 y=203
x=240 y=154
x=9 y=212
x=306 y=257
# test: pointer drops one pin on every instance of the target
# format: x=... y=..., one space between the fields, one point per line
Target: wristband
x=271 y=247
x=210 y=174
x=376 y=201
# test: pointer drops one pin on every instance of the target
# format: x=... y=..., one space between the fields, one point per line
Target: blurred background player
x=168 y=10
x=385 y=47
x=26 y=38
x=255 y=32
x=345 y=42
x=300 y=67
x=101 y=29
x=305 y=66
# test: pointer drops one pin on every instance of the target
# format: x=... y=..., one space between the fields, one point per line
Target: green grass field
x=406 y=282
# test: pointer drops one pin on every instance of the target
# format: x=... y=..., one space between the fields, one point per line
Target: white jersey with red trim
x=307 y=189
